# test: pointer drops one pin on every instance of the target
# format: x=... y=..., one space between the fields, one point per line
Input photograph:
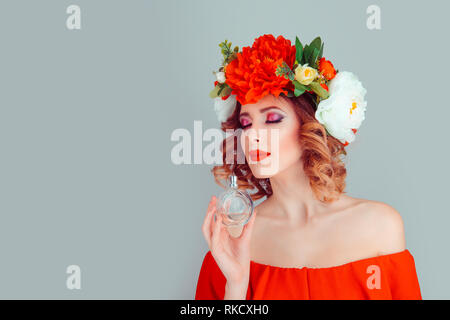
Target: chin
x=260 y=171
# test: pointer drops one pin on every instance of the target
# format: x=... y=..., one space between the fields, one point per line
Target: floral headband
x=274 y=66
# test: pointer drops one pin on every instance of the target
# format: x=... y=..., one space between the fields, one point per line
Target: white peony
x=220 y=76
x=224 y=108
x=345 y=107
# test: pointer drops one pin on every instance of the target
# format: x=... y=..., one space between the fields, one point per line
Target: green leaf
x=220 y=90
x=317 y=88
x=298 y=92
x=225 y=91
x=298 y=49
x=227 y=52
x=310 y=52
x=284 y=70
x=316 y=43
x=321 y=51
x=299 y=86
x=313 y=59
x=214 y=92
x=307 y=50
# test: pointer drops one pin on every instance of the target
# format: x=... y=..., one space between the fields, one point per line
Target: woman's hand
x=232 y=255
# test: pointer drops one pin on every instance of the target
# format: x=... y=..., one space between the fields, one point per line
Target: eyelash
x=274 y=121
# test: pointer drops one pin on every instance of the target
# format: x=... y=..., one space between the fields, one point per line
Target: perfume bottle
x=235 y=206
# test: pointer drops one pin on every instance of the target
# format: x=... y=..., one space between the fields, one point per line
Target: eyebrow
x=261 y=110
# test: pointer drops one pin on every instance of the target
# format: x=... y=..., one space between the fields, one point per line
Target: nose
x=255 y=137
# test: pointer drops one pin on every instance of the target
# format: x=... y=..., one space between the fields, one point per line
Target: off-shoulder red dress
x=385 y=277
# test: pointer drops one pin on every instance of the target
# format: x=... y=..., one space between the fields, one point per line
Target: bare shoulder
x=383 y=224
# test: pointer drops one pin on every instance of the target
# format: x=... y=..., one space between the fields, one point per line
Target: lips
x=258 y=155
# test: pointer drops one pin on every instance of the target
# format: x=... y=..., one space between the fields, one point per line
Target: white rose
x=305 y=75
x=345 y=108
x=224 y=108
x=220 y=76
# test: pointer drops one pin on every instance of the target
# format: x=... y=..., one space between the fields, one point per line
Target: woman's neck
x=293 y=195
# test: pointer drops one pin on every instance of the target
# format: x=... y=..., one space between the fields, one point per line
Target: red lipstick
x=258 y=155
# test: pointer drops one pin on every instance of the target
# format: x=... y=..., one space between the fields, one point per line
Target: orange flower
x=327 y=69
x=251 y=75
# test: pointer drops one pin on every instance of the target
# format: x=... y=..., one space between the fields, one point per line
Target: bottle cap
x=233 y=181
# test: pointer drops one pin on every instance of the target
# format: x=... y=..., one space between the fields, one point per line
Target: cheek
x=290 y=140
x=289 y=147
x=244 y=143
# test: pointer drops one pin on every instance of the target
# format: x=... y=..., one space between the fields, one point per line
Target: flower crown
x=274 y=66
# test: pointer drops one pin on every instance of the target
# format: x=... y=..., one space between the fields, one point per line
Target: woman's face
x=270 y=136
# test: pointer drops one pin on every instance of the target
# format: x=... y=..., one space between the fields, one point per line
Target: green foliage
x=299 y=88
x=298 y=50
x=228 y=53
x=321 y=51
x=316 y=43
x=284 y=70
x=317 y=88
x=214 y=92
x=224 y=90
x=220 y=90
x=313 y=60
x=309 y=54
x=298 y=92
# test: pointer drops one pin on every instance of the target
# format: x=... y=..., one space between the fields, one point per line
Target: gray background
x=86 y=117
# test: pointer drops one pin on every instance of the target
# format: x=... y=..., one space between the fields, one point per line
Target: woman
x=307 y=239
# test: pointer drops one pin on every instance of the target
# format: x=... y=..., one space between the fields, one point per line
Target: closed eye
x=274 y=121
x=274 y=117
x=271 y=118
x=245 y=123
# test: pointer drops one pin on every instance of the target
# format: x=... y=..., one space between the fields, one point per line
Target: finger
x=217 y=230
x=206 y=227
x=206 y=223
x=213 y=215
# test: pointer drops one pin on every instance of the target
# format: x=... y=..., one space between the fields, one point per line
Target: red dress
x=390 y=276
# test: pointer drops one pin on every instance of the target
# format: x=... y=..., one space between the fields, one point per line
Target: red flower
x=323 y=85
x=252 y=76
x=327 y=69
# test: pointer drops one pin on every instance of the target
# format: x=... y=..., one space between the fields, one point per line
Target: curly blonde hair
x=320 y=155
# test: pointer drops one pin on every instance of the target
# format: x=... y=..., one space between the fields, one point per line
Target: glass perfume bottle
x=235 y=206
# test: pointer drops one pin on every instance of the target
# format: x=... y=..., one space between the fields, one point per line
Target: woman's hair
x=320 y=155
